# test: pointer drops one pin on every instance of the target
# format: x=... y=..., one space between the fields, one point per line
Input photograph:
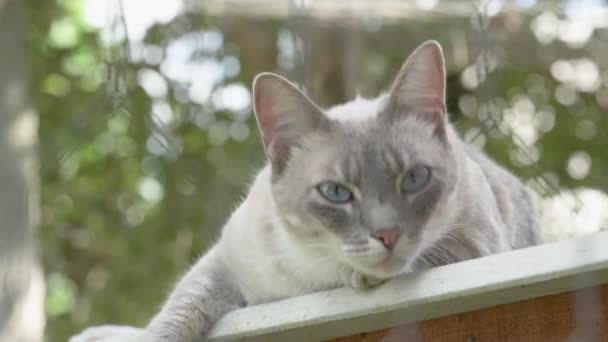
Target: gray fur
x=285 y=239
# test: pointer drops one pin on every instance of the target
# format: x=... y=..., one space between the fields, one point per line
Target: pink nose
x=388 y=237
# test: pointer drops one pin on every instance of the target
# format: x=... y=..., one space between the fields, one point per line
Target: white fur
x=358 y=109
x=245 y=247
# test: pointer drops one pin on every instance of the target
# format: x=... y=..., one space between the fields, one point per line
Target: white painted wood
x=335 y=10
x=470 y=285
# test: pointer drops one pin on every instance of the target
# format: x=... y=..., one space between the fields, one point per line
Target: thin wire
x=487 y=95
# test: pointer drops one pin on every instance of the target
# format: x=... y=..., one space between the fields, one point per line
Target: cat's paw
x=111 y=333
x=358 y=280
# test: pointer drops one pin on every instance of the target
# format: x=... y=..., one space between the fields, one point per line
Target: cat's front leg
x=358 y=280
x=200 y=299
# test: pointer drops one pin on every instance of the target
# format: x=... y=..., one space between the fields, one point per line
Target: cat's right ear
x=419 y=88
x=284 y=115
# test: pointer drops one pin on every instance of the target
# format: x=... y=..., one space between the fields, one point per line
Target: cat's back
x=512 y=200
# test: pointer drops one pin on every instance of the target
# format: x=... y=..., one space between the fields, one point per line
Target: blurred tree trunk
x=21 y=281
x=331 y=57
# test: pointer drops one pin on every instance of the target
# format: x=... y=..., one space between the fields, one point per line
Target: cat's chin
x=389 y=267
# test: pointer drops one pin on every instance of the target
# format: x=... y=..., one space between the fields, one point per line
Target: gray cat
x=353 y=195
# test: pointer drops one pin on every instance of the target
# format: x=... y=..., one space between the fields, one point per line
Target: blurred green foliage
x=140 y=168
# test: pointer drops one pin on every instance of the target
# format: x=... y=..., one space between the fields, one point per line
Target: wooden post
x=571 y=316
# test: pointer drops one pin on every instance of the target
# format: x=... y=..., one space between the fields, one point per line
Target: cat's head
x=366 y=181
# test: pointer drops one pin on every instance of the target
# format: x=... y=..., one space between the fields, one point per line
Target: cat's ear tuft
x=284 y=115
x=419 y=88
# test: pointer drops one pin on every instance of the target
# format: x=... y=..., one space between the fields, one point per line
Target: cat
x=351 y=196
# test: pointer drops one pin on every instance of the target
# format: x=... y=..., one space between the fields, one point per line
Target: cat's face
x=370 y=191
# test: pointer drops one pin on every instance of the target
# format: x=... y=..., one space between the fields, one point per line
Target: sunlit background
x=147 y=139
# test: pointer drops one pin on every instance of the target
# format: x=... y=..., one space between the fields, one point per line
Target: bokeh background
x=146 y=138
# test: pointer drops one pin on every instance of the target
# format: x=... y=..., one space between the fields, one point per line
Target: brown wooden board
x=572 y=316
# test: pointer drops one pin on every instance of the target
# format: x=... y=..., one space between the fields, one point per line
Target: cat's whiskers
x=424 y=260
x=428 y=261
x=447 y=230
x=364 y=254
x=317 y=245
x=355 y=248
x=437 y=252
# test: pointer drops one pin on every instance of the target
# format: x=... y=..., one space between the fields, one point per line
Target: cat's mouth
x=377 y=262
x=390 y=266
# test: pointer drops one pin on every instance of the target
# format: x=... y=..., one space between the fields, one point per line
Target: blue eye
x=335 y=192
x=415 y=179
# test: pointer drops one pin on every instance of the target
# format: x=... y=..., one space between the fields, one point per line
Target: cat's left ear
x=284 y=116
x=419 y=88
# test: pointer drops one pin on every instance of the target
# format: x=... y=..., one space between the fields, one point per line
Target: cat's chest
x=290 y=276
x=267 y=264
